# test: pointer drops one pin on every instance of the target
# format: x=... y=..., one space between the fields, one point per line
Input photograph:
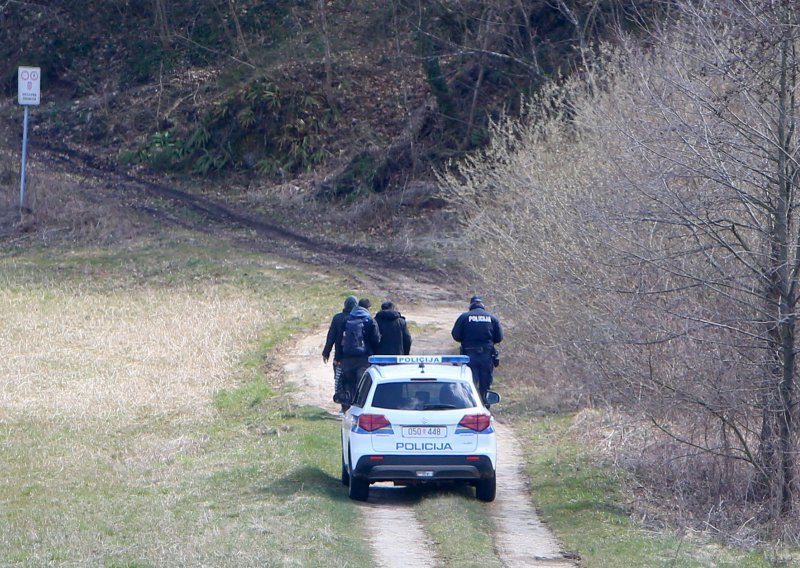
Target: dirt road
x=398 y=538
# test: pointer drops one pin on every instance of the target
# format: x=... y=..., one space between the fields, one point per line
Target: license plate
x=425 y=474
x=424 y=431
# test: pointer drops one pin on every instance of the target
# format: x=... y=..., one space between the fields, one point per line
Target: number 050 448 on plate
x=424 y=431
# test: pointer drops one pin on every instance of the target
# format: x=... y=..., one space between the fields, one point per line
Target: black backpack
x=354 y=342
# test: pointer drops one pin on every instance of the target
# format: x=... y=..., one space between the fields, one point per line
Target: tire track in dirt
x=520 y=537
x=396 y=535
x=162 y=200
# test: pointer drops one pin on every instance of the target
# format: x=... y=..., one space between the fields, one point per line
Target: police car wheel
x=358 y=489
x=486 y=489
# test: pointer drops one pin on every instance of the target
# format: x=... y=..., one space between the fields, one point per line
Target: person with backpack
x=479 y=331
x=334 y=340
x=360 y=337
x=395 y=338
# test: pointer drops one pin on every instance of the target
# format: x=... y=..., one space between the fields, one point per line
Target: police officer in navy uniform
x=479 y=331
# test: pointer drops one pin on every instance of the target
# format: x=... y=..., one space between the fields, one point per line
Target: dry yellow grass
x=120 y=355
x=114 y=448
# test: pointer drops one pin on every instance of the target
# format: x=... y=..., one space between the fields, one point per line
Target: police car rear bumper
x=423 y=468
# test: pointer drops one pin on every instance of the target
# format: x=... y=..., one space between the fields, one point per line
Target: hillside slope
x=290 y=105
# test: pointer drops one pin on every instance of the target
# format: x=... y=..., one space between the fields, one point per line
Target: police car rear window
x=437 y=395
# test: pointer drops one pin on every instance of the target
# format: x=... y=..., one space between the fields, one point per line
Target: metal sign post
x=24 y=159
x=29 y=93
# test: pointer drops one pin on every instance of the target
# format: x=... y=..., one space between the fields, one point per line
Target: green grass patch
x=585 y=504
x=460 y=526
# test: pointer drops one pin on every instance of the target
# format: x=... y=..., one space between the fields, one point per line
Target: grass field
x=144 y=422
x=142 y=417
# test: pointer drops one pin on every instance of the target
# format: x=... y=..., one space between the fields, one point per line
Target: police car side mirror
x=491 y=398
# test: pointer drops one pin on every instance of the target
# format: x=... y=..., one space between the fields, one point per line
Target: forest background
x=619 y=175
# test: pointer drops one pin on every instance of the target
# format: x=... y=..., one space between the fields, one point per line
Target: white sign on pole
x=29 y=80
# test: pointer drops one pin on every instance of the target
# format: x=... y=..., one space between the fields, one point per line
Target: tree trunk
x=160 y=16
x=326 y=44
x=788 y=284
x=485 y=29
x=241 y=44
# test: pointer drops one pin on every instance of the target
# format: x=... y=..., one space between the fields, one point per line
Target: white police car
x=418 y=418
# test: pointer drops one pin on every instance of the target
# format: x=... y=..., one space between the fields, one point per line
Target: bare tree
x=652 y=228
x=241 y=44
x=728 y=171
x=322 y=18
x=484 y=31
x=161 y=22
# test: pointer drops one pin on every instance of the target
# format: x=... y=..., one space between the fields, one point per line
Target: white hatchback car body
x=418 y=418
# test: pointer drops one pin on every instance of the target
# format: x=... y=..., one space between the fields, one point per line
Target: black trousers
x=352 y=368
x=337 y=377
x=480 y=362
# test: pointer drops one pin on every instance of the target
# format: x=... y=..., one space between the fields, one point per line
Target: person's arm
x=374 y=334
x=458 y=329
x=497 y=330
x=331 y=339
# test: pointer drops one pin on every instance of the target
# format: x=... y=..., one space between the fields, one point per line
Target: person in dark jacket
x=334 y=340
x=478 y=331
x=395 y=338
x=353 y=364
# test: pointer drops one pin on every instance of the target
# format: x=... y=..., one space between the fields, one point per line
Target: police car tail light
x=372 y=422
x=477 y=422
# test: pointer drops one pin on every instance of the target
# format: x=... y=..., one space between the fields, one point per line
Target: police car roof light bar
x=418 y=359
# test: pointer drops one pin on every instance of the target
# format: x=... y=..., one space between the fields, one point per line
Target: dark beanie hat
x=349 y=303
x=476 y=301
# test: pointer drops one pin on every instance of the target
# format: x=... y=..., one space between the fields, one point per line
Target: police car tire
x=358 y=489
x=486 y=489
